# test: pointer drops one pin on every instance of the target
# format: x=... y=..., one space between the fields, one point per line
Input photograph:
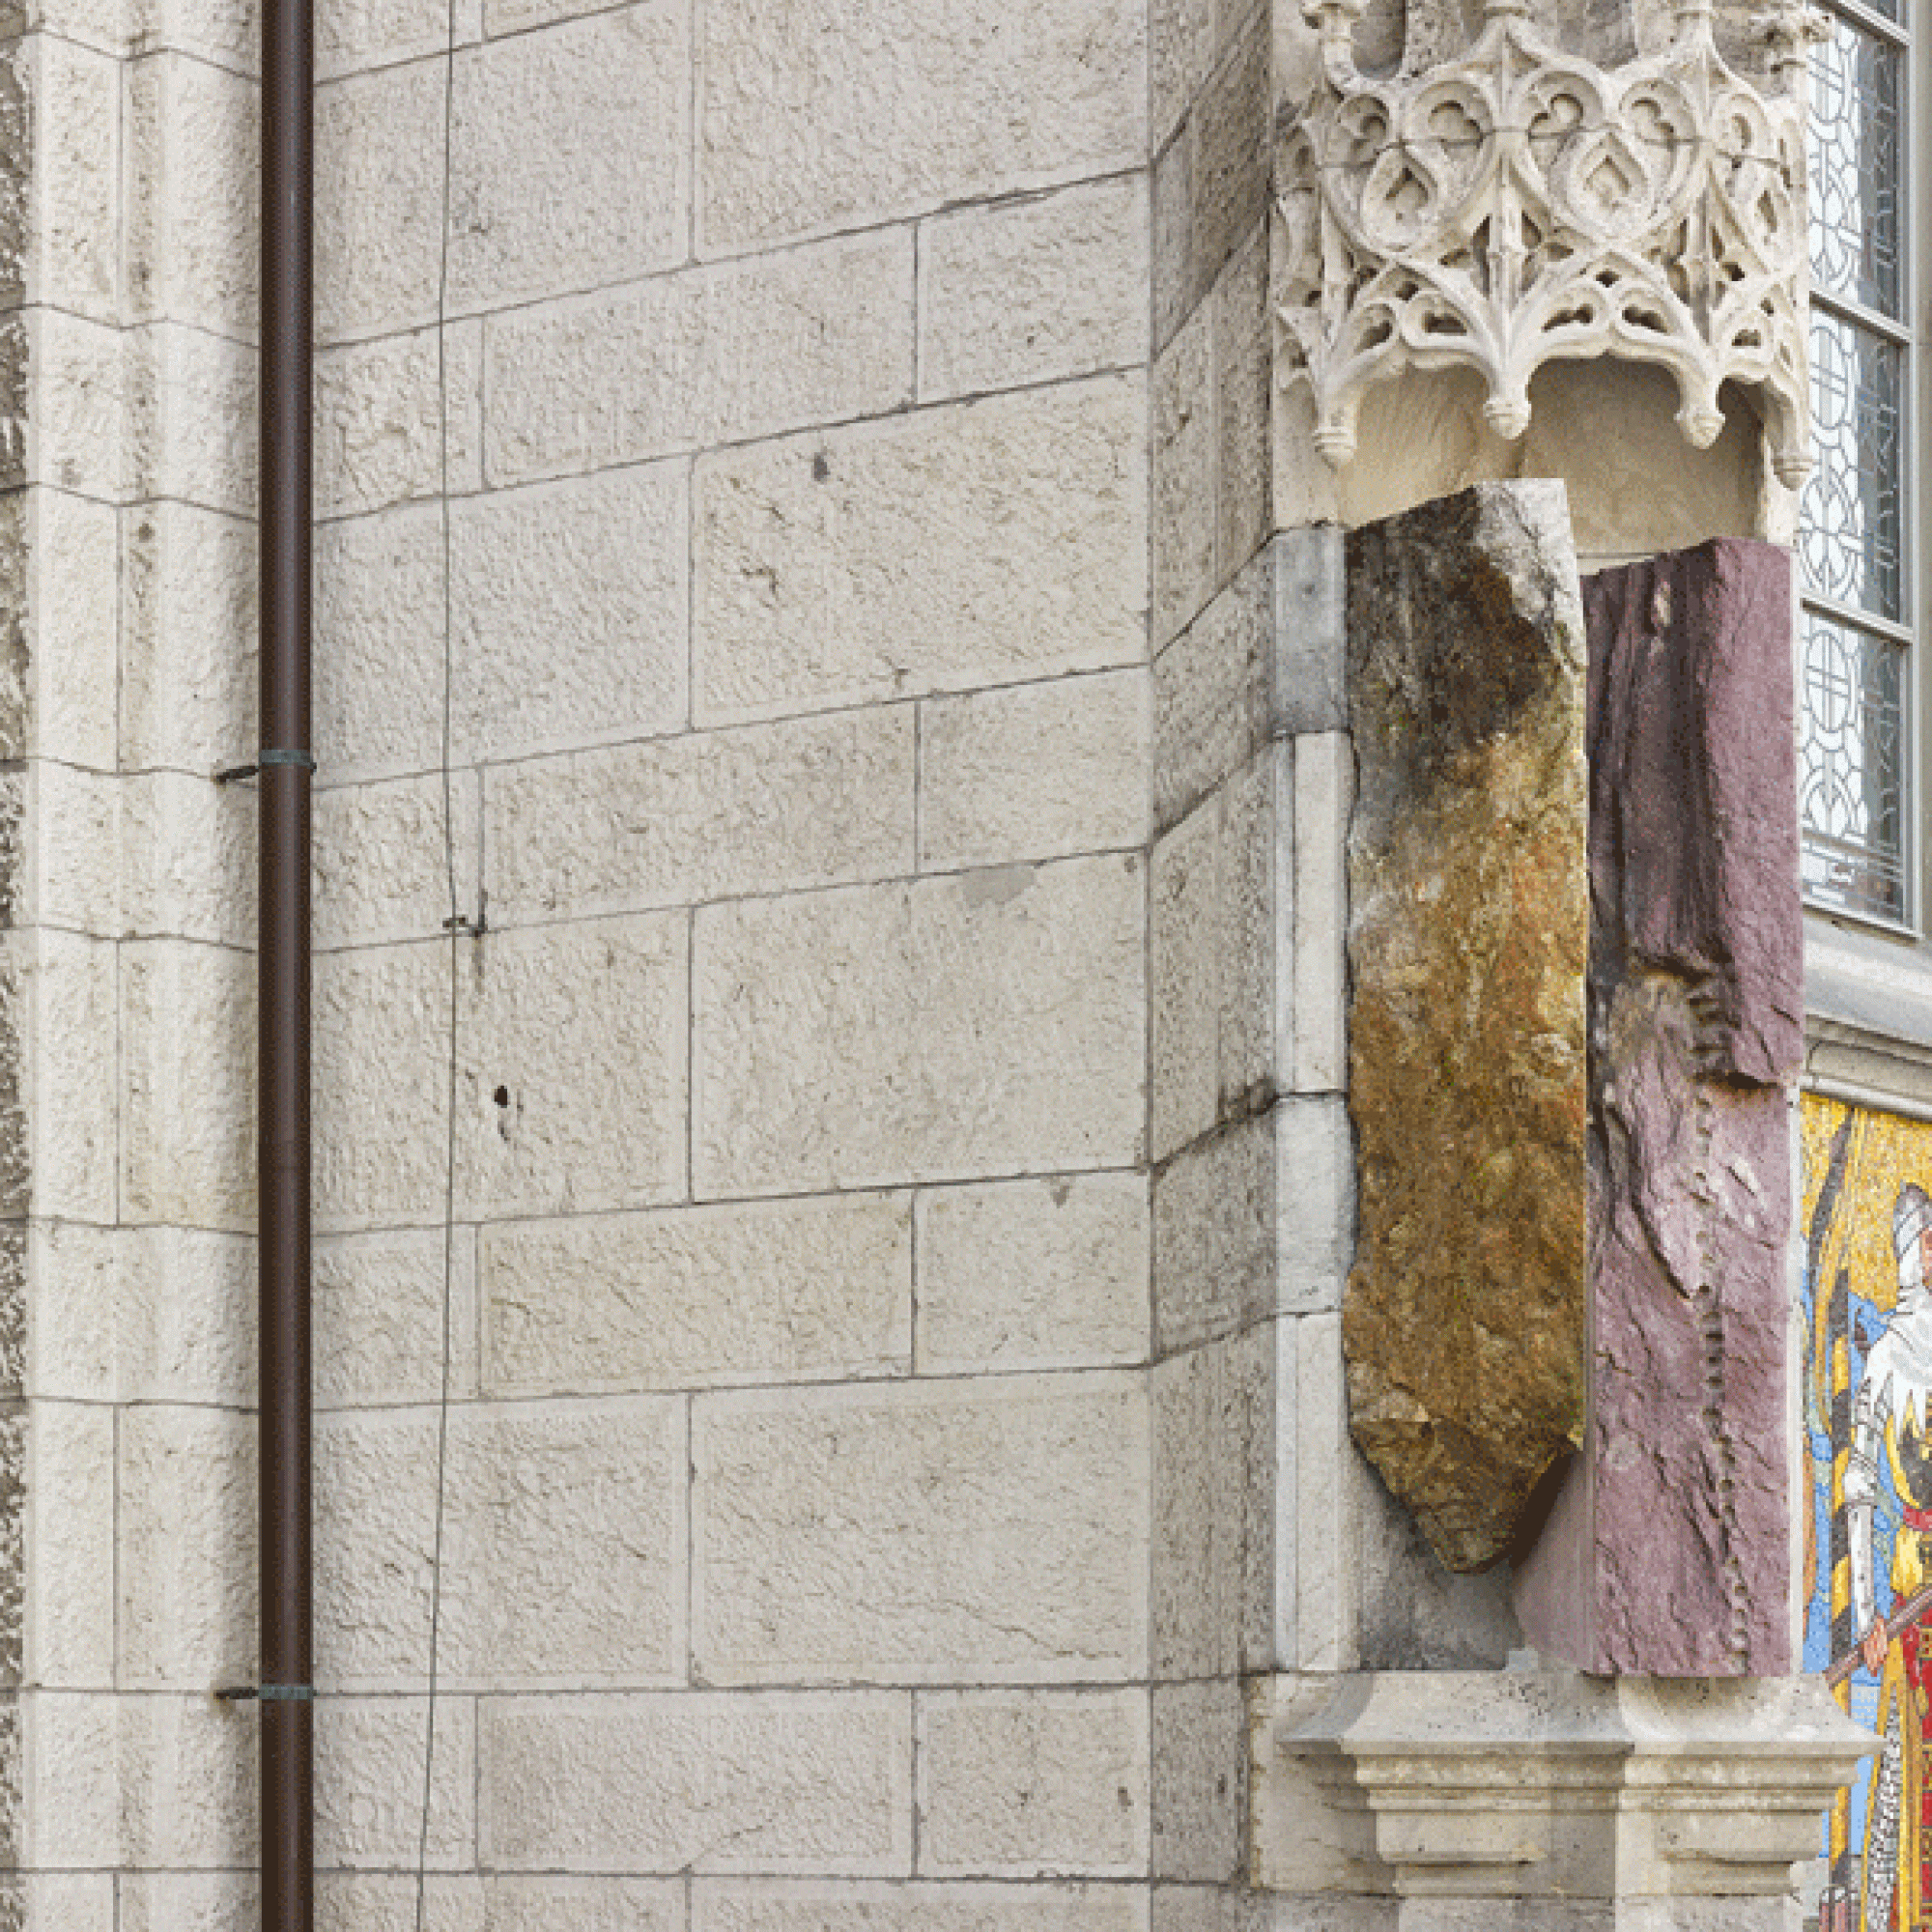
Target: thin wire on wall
x=456 y=925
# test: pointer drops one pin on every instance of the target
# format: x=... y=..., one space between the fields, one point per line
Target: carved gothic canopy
x=1517 y=206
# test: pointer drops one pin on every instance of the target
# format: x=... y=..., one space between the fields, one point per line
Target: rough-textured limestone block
x=1182 y=497
x=697 y=1782
x=154 y=1780
x=187 y=1061
x=571 y=605
x=190 y=426
x=74 y=168
x=1034 y=291
x=367 y=1902
x=855 y=565
x=1223 y=1468
x=791 y=1290
x=60 y=557
x=379 y=659
x=379 y=416
x=375 y=1509
x=188 y=674
x=1200 y=1779
x=1032 y=1783
x=71 y=870
x=70 y=1587
x=369 y=1755
x=1669 y=1552
x=1214 y=1210
x=597 y=114
x=80 y=409
x=192 y=135
x=836 y=116
x=1037 y=771
x=380 y=871
x=382 y=1047
x=185 y=1491
x=983 y=1528
x=1467 y=937
x=950 y=1027
x=1183 y=969
x=188 y=856
x=1210 y=690
x=801 y=1906
x=189 y=1901
x=1243 y=402
x=1222 y=888
x=73 y=1901
x=744 y=348
x=223 y=31
x=180 y=1309
x=574 y=1086
x=1210 y=184
x=378 y=1317
x=564 y=1545
x=1035 y=1274
x=351 y=35
x=377 y=201
x=710 y=814
x=76 y=1287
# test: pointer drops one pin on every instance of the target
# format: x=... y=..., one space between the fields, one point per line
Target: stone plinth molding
x=1543 y=1783
x=1517 y=206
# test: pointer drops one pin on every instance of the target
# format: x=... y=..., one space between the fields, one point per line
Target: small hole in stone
x=501 y=1096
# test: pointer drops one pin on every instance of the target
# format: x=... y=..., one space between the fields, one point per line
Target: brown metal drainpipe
x=287 y=1709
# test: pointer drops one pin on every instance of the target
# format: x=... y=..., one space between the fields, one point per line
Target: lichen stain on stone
x=1464 y=1321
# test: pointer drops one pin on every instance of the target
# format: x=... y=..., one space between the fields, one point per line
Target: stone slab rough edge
x=1464 y=1321
x=1667 y=1553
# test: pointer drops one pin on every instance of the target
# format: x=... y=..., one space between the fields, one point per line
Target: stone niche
x=1575 y=947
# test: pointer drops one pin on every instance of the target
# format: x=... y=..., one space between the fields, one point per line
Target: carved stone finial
x=1518 y=206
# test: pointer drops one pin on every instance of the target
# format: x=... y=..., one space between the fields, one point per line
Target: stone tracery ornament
x=1521 y=206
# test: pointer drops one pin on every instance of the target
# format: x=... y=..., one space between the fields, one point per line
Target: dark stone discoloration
x=1464 y=1321
x=1669 y=1554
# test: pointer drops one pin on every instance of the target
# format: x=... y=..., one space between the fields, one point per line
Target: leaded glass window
x=1858 y=602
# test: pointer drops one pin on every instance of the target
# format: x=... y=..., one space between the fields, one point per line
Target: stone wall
x=797 y=1545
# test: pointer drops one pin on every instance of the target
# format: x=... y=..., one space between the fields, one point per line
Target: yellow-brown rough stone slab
x=1468 y=937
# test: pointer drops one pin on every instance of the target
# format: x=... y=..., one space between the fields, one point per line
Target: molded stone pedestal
x=1543 y=1783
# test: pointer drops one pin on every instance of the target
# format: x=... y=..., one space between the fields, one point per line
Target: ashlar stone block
x=571 y=612
x=699 y=1782
x=803 y=1906
x=1033 y=1274
x=705 y=355
x=1032 y=1783
x=706 y=815
x=786 y=1291
x=379 y=419
x=1036 y=771
x=185 y=1506
x=573 y=1090
x=1034 y=291
x=986 y=1528
x=1468 y=940
x=192 y=131
x=824 y=1056
x=839 y=117
x=597 y=113
x=852 y=566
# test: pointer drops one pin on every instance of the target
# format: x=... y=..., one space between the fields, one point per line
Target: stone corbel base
x=1543 y=1783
